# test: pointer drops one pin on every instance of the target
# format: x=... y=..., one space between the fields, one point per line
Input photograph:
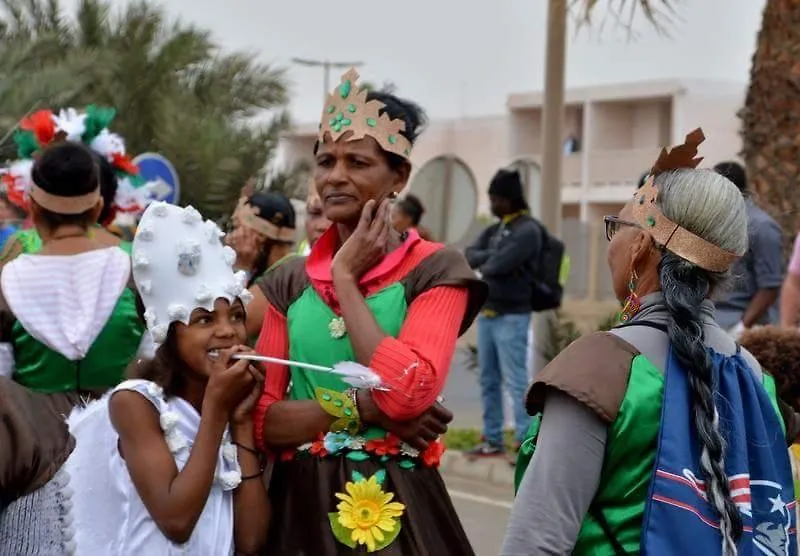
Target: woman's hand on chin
x=366 y=246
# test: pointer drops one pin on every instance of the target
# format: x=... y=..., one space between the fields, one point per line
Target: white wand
x=352 y=373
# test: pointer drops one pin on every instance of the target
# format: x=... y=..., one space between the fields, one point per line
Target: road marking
x=480 y=499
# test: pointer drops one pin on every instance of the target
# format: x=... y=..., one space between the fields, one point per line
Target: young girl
x=186 y=477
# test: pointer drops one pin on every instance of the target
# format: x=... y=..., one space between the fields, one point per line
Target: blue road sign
x=154 y=167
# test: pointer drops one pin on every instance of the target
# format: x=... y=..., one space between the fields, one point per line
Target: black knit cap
x=274 y=207
x=507 y=184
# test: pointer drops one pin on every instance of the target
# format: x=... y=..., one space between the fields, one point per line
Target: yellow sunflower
x=368 y=512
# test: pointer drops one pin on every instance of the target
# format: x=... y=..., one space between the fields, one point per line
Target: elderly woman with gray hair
x=661 y=436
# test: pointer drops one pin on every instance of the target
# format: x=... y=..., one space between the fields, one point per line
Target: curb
x=495 y=471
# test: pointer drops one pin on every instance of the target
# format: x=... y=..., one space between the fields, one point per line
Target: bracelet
x=343 y=406
x=248 y=449
x=352 y=393
x=253 y=476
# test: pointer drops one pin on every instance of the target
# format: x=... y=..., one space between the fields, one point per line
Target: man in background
x=503 y=256
x=756 y=277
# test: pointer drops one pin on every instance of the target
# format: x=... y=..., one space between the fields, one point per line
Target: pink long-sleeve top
x=415 y=363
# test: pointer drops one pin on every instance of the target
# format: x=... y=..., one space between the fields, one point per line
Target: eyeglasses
x=613 y=224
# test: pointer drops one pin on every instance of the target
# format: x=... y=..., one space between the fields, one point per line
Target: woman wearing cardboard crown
x=122 y=189
x=357 y=468
x=263 y=233
x=68 y=312
x=661 y=436
x=68 y=329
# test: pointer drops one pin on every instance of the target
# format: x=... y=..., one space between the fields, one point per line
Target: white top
x=108 y=496
x=213 y=533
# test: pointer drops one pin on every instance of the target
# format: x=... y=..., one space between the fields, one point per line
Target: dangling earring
x=632 y=302
x=393 y=195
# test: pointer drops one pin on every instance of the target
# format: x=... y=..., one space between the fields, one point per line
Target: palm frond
x=661 y=14
x=93 y=27
x=235 y=84
x=217 y=116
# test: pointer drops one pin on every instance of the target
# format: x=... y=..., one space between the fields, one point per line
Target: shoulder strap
x=151 y=391
x=648 y=324
x=598 y=515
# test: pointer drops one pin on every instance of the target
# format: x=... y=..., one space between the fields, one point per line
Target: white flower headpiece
x=180 y=264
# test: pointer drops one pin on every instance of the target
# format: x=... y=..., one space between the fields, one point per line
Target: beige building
x=612 y=134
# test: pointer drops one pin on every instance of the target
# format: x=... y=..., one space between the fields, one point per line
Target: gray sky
x=461 y=58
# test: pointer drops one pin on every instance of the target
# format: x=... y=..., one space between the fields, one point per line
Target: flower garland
x=91 y=128
x=358 y=448
x=227 y=474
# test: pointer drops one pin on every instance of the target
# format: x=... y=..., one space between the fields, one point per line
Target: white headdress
x=180 y=264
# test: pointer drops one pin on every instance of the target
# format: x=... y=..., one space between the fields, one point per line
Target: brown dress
x=304 y=485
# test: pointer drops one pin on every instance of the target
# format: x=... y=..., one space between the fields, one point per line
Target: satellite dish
x=449 y=193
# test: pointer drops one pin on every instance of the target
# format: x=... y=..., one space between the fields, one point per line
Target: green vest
x=43 y=370
x=311 y=341
x=628 y=463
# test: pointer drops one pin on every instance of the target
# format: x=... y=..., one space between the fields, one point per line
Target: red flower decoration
x=389 y=446
x=14 y=191
x=124 y=163
x=318 y=447
x=287 y=455
x=433 y=454
x=42 y=125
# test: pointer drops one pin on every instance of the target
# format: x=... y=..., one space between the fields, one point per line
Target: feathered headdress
x=91 y=128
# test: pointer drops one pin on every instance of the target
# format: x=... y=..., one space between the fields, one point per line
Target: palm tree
x=216 y=115
x=770 y=120
x=770 y=125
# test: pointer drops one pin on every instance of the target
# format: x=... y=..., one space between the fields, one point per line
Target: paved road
x=484 y=510
x=462 y=393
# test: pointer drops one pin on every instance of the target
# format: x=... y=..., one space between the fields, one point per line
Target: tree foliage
x=770 y=121
x=217 y=116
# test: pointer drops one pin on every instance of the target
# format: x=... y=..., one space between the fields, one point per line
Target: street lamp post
x=326 y=66
x=552 y=125
x=553 y=114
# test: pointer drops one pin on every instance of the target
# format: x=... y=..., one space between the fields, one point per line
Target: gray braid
x=685 y=286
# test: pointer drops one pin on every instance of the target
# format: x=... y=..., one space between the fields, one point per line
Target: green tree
x=217 y=116
x=770 y=138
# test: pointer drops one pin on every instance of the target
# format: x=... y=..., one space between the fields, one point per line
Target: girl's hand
x=242 y=413
x=367 y=246
x=231 y=382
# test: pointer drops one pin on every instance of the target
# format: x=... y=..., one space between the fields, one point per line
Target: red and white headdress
x=91 y=128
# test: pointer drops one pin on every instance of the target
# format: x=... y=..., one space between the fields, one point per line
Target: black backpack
x=547 y=291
